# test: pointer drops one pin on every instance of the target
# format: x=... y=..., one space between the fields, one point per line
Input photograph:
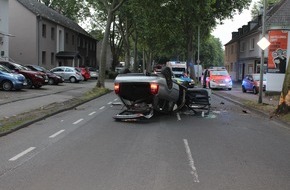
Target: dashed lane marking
x=22 y=154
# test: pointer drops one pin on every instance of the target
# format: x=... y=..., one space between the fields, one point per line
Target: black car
x=52 y=78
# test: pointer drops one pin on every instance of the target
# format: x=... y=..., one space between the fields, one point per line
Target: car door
x=59 y=71
x=250 y=82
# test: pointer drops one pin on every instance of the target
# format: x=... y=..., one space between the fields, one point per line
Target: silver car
x=94 y=72
x=68 y=73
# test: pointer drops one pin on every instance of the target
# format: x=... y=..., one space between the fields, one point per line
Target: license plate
x=222 y=84
x=25 y=83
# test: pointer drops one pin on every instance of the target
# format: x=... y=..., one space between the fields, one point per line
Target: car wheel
x=7 y=85
x=51 y=81
x=255 y=91
x=229 y=88
x=72 y=79
x=37 y=86
x=29 y=83
x=244 y=89
x=168 y=77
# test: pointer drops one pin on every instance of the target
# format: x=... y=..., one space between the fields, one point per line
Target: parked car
x=182 y=78
x=251 y=82
x=68 y=73
x=34 y=78
x=52 y=77
x=10 y=80
x=85 y=73
x=218 y=78
x=94 y=73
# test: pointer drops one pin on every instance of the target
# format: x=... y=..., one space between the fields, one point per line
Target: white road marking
x=57 y=133
x=76 y=122
x=116 y=99
x=102 y=107
x=92 y=113
x=178 y=116
x=191 y=161
x=110 y=103
x=22 y=154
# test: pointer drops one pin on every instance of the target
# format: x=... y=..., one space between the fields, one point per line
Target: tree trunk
x=136 y=64
x=102 y=69
x=284 y=103
x=127 y=45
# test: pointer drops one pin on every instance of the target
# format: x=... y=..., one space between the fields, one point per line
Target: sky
x=224 y=32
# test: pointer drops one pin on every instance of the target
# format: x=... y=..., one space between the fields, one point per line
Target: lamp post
x=263 y=43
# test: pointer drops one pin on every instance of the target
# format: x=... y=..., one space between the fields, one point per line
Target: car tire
x=244 y=89
x=29 y=83
x=168 y=77
x=229 y=88
x=255 y=91
x=73 y=79
x=6 y=85
x=37 y=86
x=51 y=81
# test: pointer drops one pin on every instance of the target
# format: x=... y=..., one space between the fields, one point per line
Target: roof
x=42 y=10
x=279 y=14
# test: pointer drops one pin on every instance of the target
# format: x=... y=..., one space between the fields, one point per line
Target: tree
x=74 y=9
x=111 y=6
x=211 y=52
x=284 y=103
x=258 y=5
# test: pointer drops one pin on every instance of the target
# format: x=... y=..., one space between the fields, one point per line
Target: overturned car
x=144 y=94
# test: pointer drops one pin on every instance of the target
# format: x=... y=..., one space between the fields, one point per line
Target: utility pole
x=262 y=55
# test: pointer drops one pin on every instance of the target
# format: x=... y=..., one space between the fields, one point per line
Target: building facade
x=44 y=37
x=248 y=56
x=4 y=34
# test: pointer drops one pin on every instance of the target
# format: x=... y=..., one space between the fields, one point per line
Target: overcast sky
x=224 y=32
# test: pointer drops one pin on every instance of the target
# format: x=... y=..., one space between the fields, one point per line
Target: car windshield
x=5 y=69
x=222 y=73
x=21 y=67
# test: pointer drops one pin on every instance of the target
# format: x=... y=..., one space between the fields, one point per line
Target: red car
x=85 y=72
x=34 y=79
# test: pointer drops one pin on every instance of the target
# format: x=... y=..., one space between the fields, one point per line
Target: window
x=44 y=58
x=52 y=33
x=242 y=47
x=52 y=59
x=232 y=49
x=44 y=30
x=252 y=44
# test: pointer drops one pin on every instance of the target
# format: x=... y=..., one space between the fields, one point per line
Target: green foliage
x=73 y=9
x=258 y=6
x=211 y=53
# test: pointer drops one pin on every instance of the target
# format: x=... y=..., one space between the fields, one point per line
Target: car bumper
x=19 y=85
x=221 y=85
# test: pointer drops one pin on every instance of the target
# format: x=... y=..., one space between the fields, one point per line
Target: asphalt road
x=86 y=149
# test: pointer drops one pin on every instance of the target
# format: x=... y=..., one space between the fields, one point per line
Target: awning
x=67 y=55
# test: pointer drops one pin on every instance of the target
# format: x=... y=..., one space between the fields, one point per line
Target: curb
x=287 y=124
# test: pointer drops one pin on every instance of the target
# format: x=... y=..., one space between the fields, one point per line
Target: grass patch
x=12 y=123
